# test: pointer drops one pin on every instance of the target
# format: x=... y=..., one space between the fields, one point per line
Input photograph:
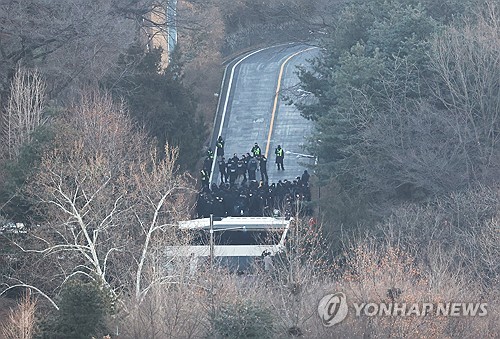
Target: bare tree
x=418 y=155
x=467 y=62
x=24 y=112
x=75 y=42
x=456 y=233
x=298 y=276
x=109 y=203
x=374 y=272
x=168 y=311
x=67 y=40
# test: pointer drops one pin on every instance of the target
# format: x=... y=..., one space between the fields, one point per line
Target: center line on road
x=276 y=96
x=224 y=110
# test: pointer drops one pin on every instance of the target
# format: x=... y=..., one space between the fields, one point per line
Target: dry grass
x=368 y=271
x=6 y=305
x=20 y=321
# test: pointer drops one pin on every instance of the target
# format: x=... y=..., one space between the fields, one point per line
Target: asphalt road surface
x=253 y=108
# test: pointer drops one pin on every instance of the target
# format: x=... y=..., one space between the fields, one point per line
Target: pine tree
x=159 y=101
x=83 y=308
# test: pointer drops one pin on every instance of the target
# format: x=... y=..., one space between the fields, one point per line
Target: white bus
x=236 y=241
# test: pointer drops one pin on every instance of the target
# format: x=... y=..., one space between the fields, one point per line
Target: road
x=253 y=108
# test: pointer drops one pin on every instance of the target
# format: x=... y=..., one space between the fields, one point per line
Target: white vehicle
x=13 y=228
x=235 y=240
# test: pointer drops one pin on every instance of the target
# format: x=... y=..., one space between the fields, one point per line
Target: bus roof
x=257 y=223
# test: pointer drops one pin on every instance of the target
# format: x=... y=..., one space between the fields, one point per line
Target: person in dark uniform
x=235 y=158
x=210 y=154
x=263 y=168
x=280 y=155
x=205 y=177
x=233 y=171
x=218 y=204
x=252 y=167
x=222 y=170
x=207 y=164
x=246 y=158
x=203 y=205
x=305 y=178
x=241 y=171
x=220 y=147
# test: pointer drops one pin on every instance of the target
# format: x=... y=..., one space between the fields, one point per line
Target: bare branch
x=34 y=289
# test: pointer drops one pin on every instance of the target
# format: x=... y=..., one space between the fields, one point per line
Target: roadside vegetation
x=100 y=143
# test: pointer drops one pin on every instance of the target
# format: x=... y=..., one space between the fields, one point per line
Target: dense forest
x=103 y=140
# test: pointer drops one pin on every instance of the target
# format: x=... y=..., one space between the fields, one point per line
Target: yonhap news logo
x=333 y=308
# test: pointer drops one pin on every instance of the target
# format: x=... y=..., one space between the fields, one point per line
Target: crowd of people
x=242 y=193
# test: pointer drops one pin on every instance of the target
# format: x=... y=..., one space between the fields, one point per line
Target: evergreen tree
x=83 y=308
x=371 y=89
x=363 y=65
x=15 y=204
x=389 y=124
x=159 y=101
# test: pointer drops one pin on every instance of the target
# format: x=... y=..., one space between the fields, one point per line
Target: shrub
x=244 y=319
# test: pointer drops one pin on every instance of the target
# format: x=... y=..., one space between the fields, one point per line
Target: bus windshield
x=237 y=237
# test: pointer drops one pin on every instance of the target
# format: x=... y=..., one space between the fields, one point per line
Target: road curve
x=252 y=108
